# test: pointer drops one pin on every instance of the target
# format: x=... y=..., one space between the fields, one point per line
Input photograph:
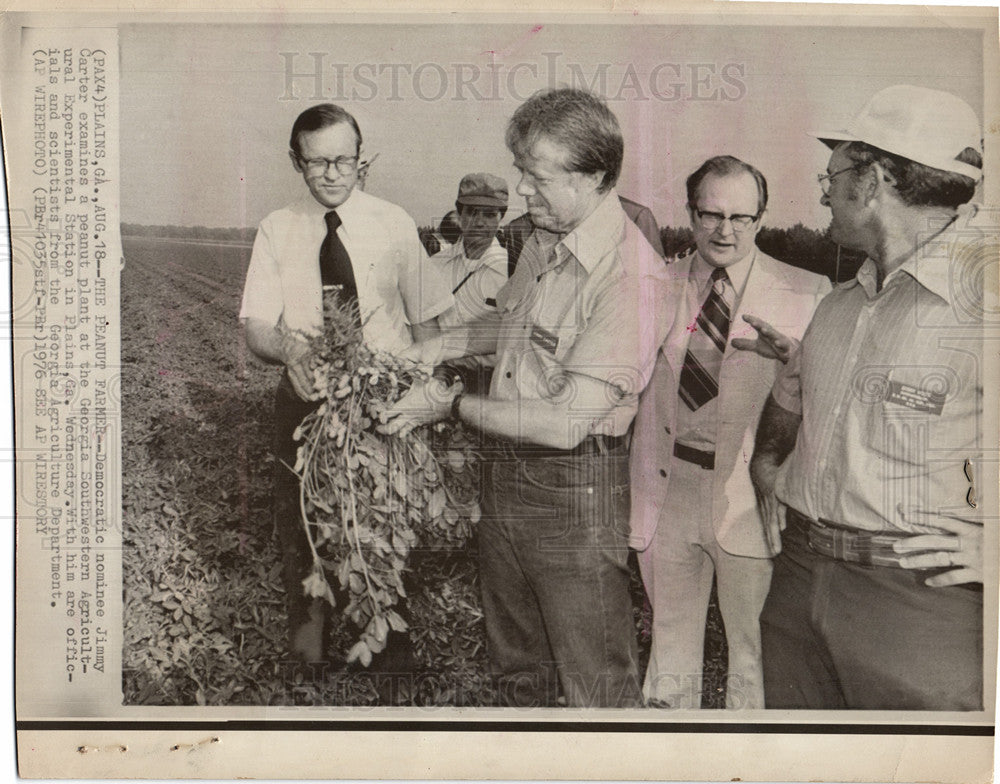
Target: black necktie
x=706 y=347
x=334 y=262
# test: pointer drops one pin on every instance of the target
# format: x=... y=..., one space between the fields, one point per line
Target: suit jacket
x=643 y=217
x=785 y=297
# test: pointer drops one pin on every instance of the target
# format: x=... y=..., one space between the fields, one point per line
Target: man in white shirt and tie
x=337 y=235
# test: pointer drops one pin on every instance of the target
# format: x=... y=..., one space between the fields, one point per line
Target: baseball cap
x=482 y=190
x=931 y=127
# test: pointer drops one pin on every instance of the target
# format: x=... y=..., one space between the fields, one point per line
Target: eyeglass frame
x=739 y=222
x=353 y=163
x=826 y=180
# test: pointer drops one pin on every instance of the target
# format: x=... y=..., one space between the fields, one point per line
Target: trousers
x=305 y=614
x=677 y=571
x=846 y=635
x=554 y=573
x=309 y=617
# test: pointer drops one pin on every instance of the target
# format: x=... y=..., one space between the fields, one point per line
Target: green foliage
x=241 y=236
x=675 y=240
x=430 y=242
x=811 y=250
x=203 y=610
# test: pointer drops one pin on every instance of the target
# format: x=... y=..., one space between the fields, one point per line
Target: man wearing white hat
x=876 y=598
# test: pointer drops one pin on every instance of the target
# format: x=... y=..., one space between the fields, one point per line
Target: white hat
x=927 y=126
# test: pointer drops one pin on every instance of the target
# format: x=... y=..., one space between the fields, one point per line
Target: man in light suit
x=693 y=506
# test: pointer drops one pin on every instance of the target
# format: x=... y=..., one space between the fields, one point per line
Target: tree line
x=799 y=245
x=210 y=233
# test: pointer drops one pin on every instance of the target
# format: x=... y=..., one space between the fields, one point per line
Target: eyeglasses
x=712 y=220
x=826 y=180
x=316 y=166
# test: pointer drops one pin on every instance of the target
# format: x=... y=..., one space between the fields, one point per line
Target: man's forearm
x=454 y=343
x=775 y=440
x=264 y=341
x=426 y=330
x=558 y=423
x=271 y=345
x=473 y=339
x=533 y=421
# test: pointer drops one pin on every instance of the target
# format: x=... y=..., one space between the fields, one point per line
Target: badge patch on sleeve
x=544 y=339
x=915 y=398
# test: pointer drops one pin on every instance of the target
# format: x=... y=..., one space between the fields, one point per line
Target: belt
x=591 y=445
x=862 y=547
x=696 y=456
x=871 y=548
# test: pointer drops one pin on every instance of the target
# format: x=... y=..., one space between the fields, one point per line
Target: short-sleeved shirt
x=891 y=391
x=477 y=282
x=589 y=304
x=397 y=286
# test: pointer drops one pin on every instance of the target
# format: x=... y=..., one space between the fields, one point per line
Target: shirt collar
x=931 y=274
x=865 y=277
x=930 y=265
x=738 y=272
x=348 y=211
x=351 y=210
x=456 y=253
x=598 y=234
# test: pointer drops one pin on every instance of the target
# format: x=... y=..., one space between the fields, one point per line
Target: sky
x=206 y=109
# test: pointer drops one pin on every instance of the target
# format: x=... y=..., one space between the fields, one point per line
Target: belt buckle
x=851 y=546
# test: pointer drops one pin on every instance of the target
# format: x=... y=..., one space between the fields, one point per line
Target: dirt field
x=204 y=609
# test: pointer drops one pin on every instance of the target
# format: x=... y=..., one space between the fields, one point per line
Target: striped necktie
x=703 y=361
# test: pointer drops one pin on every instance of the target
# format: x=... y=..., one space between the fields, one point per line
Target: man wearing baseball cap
x=476 y=265
x=864 y=443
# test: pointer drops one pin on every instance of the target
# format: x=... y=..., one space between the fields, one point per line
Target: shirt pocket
x=907 y=409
